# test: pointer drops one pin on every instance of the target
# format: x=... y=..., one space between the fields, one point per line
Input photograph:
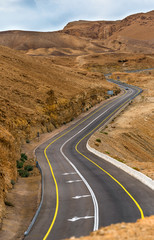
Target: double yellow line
x=51 y=169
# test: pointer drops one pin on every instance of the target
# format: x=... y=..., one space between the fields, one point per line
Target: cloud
x=54 y=14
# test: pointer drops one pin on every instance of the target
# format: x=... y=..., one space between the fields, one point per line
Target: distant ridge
x=134 y=33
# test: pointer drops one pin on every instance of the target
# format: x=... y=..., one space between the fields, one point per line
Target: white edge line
x=96 y=222
x=138 y=175
x=96 y=210
x=86 y=183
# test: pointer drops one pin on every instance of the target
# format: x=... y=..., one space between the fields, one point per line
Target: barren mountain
x=132 y=34
x=135 y=33
x=63 y=77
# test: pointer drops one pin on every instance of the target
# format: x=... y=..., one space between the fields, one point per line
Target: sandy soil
x=21 y=214
x=141 y=230
x=130 y=137
x=24 y=200
x=18 y=217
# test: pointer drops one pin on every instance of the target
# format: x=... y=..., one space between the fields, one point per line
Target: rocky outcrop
x=135 y=33
x=38 y=96
x=8 y=173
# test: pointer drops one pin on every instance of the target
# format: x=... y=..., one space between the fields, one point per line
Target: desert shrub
x=98 y=140
x=27 y=141
x=19 y=164
x=28 y=168
x=106 y=97
x=12 y=182
x=120 y=160
x=97 y=144
x=23 y=173
x=135 y=168
x=22 y=160
x=9 y=204
x=23 y=156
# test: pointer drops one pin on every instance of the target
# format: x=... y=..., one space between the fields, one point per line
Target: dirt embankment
x=37 y=95
x=130 y=137
x=141 y=230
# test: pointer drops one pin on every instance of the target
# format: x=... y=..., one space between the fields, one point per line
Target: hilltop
x=49 y=78
x=134 y=34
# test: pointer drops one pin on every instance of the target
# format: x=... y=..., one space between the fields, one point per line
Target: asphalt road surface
x=82 y=192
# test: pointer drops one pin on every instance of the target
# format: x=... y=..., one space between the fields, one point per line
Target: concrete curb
x=138 y=175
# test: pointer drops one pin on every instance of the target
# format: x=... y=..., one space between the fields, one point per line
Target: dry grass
x=37 y=95
x=130 y=137
x=65 y=78
x=142 y=229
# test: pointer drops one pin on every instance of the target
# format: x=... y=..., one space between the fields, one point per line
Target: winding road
x=82 y=192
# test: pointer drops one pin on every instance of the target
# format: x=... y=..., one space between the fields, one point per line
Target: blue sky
x=50 y=15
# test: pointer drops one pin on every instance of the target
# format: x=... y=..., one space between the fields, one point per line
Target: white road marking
x=73 y=181
x=84 y=196
x=72 y=173
x=79 y=218
x=96 y=210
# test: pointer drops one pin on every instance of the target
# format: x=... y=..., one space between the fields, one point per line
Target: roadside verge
x=140 y=176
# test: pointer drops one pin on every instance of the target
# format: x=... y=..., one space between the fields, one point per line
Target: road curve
x=81 y=191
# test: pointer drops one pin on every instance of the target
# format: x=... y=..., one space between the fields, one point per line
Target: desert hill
x=135 y=33
x=105 y=29
x=37 y=95
x=49 y=78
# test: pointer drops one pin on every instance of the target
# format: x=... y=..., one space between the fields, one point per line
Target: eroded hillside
x=63 y=77
x=134 y=34
x=38 y=96
x=130 y=137
x=142 y=229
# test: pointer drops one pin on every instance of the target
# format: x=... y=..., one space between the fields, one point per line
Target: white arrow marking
x=74 y=181
x=72 y=173
x=79 y=218
x=84 y=196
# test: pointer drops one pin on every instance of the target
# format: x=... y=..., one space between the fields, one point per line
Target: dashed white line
x=71 y=173
x=74 y=181
x=84 y=196
x=79 y=218
x=96 y=210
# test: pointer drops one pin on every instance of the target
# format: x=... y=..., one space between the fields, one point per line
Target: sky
x=51 y=15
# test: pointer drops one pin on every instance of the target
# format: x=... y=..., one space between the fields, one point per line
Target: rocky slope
x=135 y=33
x=142 y=229
x=38 y=96
x=130 y=137
x=132 y=34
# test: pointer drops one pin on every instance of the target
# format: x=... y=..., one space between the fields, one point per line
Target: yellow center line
x=76 y=148
x=51 y=169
